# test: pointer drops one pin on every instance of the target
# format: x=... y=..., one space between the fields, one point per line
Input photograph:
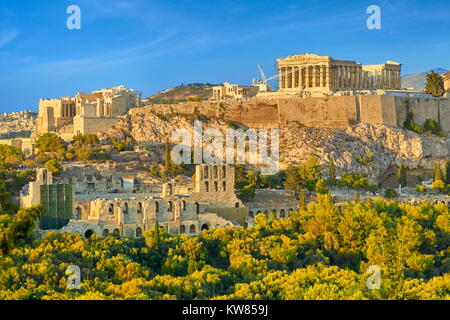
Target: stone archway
x=105 y=232
x=89 y=233
x=205 y=227
x=138 y=232
x=192 y=228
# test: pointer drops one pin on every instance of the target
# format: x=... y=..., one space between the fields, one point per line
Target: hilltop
x=182 y=93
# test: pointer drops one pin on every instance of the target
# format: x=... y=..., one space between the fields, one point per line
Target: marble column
x=300 y=77
x=293 y=77
x=306 y=77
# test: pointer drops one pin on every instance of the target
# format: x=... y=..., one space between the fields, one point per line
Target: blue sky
x=154 y=45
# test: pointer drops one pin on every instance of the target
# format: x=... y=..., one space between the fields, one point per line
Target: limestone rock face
x=367 y=149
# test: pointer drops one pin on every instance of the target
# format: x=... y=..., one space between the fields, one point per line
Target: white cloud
x=7 y=36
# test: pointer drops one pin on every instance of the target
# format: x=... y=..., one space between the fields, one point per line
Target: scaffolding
x=57 y=204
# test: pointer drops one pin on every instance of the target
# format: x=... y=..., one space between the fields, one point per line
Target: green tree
x=18 y=230
x=401 y=174
x=247 y=192
x=305 y=175
x=437 y=176
x=53 y=166
x=302 y=200
x=6 y=205
x=434 y=84
x=447 y=172
x=321 y=187
x=10 y=157
x=332 y=172
x=50 y=142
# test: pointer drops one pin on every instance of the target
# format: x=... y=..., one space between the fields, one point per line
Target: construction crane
x=264 y=80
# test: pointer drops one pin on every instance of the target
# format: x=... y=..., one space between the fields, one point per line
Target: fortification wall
x=333 y=112
x=330 y=112
x=92 y=125
x=423 y=109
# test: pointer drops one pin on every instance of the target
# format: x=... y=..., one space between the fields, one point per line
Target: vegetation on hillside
x=182 y=93
x=321 y=252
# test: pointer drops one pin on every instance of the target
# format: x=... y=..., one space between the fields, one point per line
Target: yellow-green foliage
x=320 y=252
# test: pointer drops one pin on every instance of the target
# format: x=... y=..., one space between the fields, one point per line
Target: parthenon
x=314 y=73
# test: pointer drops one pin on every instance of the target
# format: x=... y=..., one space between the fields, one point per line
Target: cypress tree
x=447 y=172
x=402 y=175
x=437 y=172
x=332 y=172
x=302 y=200
x=167 y=159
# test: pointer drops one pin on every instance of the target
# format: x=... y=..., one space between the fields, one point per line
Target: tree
x=321 y=187
x=247 y=192
x=6 y=205
x=305 y=175
x=302 y=200
x=10 y=157
x=53 y=166
x=18 y=230
x=402 y=175
x=332 y=172
x=447 y=172
x=437 y=172
x=50 y=142
x=170 y=168
x=434 y=84
x=167 y=158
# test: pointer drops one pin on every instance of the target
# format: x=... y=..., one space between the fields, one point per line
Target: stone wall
x=334 y=112
x=92 y=125
x=423 y=109
x=337 y=112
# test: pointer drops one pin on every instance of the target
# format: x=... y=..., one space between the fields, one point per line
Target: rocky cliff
x=371 y=150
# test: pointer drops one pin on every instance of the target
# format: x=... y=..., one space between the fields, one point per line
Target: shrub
x=321 y=187
x=390 y=193
x=409 y=123
x=438 y=185
x=433 y=127
x=421 y=189
x=53 y=166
